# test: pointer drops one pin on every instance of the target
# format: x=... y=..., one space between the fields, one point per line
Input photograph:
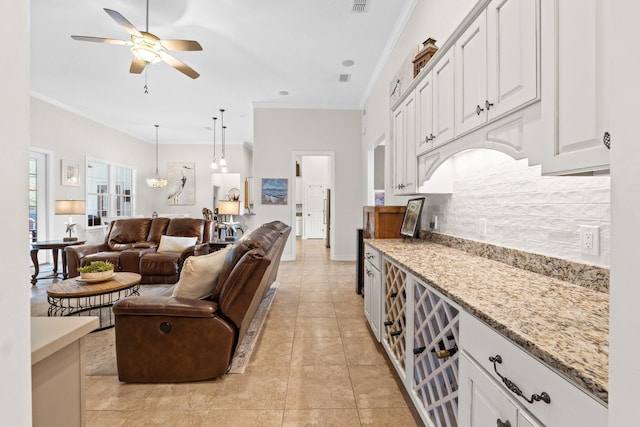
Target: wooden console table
x=55 y=246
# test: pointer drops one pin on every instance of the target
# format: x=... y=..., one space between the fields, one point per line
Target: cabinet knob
x=606 y=140
x=501 y=423
x=488 y=105
x=479 y=110
x=432 y=137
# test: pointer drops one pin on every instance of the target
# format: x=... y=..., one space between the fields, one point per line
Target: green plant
x=96 y=267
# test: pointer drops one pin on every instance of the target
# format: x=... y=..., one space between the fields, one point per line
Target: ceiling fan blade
x=180 y=66
x=101 y=40
x=128 y=26
x=180 y=44
x=137 y=65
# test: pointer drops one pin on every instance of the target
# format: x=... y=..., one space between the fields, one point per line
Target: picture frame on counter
x=411 y=222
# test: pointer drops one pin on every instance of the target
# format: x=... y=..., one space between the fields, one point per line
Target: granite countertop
x=566 y=326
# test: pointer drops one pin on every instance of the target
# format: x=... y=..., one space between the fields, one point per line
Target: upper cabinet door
x=424 y=114
x=471 y=76
x=443 y=100
x=582 y=100
x=512 y=55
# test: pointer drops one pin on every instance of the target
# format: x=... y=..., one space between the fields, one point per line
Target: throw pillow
x=175 y=243
x=199 y=275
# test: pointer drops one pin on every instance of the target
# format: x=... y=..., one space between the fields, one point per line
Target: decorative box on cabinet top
x=382 y=222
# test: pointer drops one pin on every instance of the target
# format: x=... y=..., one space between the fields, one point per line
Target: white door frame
x=332 y=186
x=48 y=199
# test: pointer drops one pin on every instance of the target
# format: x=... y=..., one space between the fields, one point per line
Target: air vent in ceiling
x=359 y=5
x=344 y=78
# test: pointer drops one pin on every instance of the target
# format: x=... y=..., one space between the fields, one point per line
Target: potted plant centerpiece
x=97 y=270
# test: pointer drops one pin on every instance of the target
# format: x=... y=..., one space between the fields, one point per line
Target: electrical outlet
x=482 y=227
x=434 y=222
x=590 y=240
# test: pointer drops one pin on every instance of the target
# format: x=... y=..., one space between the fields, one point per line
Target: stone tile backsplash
x=526 y=211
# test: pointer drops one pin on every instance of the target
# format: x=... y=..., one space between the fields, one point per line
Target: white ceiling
x=252 y=50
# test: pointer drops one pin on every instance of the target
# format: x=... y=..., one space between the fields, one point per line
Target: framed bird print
x=181 y=183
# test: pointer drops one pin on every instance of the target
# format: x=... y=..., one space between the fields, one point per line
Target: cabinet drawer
x=569 y=405
x=372 y=256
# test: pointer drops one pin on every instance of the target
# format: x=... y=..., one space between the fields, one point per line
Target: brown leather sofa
x=131 y=245
x=170 y=339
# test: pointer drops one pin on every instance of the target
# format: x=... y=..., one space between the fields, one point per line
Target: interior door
x=314 y=225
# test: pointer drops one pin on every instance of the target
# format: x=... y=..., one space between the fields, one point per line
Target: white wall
x=524 y=210
x=624 y=369
x=15 y=342
x=72 y=137
x=280 y=133
x=201 y=155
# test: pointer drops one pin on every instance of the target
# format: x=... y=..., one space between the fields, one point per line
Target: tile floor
x=315 y=364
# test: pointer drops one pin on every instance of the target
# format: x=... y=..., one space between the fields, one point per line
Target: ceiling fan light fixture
x=146 y=54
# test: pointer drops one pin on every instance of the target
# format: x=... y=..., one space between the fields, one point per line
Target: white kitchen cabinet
x=483 y=395
x=484 y=403
x=497 y=63
x=435 y=105
x=372 y=292
x=471 y=76
x=404 y=146
x=581 y=95
x=393 y=334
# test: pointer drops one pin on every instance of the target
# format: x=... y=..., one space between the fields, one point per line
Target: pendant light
x=223 y=161
x=214 y=165
x=156 y=181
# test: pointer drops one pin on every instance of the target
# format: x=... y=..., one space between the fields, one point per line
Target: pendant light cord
x=157 y=126
x=214 y=138
x=223 y=128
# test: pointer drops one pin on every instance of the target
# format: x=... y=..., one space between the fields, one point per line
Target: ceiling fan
x=146 y=47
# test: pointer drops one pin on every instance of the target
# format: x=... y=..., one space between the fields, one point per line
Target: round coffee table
x=74 y=297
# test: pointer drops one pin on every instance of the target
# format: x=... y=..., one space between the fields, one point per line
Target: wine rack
x=435 y=372
x=394 y=314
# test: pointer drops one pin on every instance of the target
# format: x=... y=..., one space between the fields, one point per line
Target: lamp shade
x=228 y=207
x=70 y=207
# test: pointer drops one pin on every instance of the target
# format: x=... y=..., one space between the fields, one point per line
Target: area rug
x=244 y=350
x=100 y=347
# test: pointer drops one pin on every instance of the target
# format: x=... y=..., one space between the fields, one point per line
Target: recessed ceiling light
x=284 y=92
x=348 y=62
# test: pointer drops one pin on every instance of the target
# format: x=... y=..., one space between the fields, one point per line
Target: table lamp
x=231 y=208
x=70 y=207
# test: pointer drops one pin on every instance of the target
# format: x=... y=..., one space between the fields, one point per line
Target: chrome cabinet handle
x=503 y=423
x=514 y=388
x=479 y=110
x=606 y=140
x=488 y=105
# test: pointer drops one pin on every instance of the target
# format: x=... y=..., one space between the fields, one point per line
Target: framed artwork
x=411 y=219
x=181 y=183
x=70 y=172
x=379 y=197
x=274 y=191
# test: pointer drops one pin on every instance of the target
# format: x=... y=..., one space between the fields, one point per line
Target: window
x=109 y=191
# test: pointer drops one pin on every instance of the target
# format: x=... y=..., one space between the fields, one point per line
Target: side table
x=55 y=246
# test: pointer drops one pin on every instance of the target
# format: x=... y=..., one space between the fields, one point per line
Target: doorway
x=38 y=200
x=314 y=179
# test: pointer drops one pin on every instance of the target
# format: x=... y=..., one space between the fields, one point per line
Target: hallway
x=315 y=364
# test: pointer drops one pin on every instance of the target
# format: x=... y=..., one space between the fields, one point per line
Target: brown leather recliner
x=168 y=339
x=131 y=245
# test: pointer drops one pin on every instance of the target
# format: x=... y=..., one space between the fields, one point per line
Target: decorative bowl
x=97 y=276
